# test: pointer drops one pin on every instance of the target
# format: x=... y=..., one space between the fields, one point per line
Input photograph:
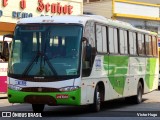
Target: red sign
x=61 y=96
x=5 y=3
x=52 y=7
x=23 y=4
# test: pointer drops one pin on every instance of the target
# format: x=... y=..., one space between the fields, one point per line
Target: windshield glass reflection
x=46 y=50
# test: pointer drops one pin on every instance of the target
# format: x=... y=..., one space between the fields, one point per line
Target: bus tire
x=138 y=98
x=96 y=106
x=38 y=108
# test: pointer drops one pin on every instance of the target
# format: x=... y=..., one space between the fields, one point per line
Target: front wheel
x=96 y=106
x=38 y=108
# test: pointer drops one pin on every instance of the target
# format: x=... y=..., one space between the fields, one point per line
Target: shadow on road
x=68 y=111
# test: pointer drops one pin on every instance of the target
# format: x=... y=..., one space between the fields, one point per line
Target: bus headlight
x=69 y=88
x=14 y=87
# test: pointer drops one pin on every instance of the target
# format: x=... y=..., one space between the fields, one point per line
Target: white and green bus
x=80 y=60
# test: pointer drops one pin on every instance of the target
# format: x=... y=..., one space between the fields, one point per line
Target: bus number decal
x=20 y=82
x=98 y=63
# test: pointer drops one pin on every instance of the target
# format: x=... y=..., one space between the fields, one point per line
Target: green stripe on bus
x=150 y=72
x=117 y=69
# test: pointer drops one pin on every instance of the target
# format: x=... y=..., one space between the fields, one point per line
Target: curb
x=3 y=97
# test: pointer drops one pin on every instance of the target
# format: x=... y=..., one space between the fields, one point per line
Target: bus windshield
x=46 y=50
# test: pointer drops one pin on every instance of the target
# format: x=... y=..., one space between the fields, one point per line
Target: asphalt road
x=149 y=109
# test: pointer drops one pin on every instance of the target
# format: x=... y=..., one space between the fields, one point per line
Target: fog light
x=9 y=96
x=73 y=98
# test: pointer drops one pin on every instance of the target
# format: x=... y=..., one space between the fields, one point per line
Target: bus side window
x=86 y=53
x=86 y=63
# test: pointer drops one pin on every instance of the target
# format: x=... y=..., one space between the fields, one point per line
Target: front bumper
x=50 y=98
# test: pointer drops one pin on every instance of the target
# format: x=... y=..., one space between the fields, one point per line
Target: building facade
x=12 y=10
x=144 y=14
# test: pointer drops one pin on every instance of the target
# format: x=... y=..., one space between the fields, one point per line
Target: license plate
x=61 y=96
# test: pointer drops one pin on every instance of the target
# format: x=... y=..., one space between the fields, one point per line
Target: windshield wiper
x=31 y=64
x=49 y=64
x=28 y=68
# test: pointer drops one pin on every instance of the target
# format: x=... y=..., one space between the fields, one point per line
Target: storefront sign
x=12 y=10
x=5 y=3
x=52 y=7
x=18 y=15
x=21 y=14
x=22 y=3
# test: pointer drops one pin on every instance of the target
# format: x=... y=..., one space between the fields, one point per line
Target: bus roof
x=81 y=19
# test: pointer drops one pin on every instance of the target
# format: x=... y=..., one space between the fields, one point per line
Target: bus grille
x=40 y=99
x=40 y=89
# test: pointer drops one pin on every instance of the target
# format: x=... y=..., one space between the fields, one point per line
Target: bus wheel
x=138 y=98
x=38 y=108
x=97 y=100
